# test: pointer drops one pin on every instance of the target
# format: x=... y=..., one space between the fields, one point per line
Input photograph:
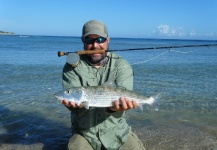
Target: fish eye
x=67 y=91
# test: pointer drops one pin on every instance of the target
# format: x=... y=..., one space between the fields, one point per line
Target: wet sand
x=180 y=137
x=183 y=136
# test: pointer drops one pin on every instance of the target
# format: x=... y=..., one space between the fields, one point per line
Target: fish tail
x=140 y=106
x=155 y=101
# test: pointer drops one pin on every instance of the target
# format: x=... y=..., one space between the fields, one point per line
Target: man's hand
x=71 y=105
x=124 y=104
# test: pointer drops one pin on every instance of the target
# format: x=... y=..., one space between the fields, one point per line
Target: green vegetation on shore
x=6 y=33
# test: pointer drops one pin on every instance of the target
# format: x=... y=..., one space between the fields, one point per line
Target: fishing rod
x=84 y=52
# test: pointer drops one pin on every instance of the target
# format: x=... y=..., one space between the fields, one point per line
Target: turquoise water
x=31 y=118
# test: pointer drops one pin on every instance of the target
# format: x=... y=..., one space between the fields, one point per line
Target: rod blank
x=84 y=52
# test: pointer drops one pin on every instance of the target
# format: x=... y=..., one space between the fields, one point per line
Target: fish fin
x=156 y=99
x=140 y=106
x=86 y=104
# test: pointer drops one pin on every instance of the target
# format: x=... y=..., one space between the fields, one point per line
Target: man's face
x=96 y=58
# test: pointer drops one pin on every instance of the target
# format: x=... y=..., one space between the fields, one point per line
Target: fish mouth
x=58 y=95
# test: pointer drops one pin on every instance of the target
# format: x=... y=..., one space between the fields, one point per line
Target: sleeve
x=69 y=77
x=124 y=78
x=124 y=75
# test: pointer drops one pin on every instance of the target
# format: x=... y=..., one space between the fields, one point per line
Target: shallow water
x=31 y=117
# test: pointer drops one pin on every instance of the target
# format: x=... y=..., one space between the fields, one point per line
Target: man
x=100 y=128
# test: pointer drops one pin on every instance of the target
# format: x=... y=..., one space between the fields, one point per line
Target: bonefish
x=102 y=96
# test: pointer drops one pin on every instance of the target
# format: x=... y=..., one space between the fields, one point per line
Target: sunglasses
x=99 y=40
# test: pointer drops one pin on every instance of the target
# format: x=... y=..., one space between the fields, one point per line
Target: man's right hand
x=71 y=105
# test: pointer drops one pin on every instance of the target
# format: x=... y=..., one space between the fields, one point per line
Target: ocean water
x=32 y=118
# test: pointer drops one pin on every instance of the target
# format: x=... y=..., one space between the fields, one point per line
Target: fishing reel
x=71 y=58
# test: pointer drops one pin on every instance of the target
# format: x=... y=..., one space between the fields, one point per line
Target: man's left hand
x=124 y=104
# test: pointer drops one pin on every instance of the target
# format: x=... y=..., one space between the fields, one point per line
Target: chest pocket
x=87 y=78
x=93 y=77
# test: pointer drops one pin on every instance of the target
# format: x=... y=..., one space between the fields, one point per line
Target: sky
x=173 y=19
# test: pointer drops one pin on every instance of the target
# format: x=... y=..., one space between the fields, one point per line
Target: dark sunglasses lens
x=91 y=41
x=101 y=40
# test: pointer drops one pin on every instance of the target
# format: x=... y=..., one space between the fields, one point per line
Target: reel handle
x=82 y=52
x=59 y=53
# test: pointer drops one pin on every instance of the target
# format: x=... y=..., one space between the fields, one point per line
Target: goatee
x=95 y=59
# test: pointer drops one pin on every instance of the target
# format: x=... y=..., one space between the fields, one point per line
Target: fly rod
x=84 y=52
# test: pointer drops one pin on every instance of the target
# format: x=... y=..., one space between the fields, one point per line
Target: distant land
x=6 y=33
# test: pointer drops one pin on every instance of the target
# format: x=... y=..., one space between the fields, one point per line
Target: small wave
x=23 y=36
x=6 y=92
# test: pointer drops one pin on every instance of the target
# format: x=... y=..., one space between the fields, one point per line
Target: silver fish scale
x=104 y=96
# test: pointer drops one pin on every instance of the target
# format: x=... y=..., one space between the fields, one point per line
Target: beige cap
x=94 y=27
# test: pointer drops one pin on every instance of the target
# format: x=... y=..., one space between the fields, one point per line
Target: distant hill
x=6 y=33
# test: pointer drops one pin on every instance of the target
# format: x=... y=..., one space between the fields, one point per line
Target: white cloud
x=163 y=29
x=192 y=33
x=211 y=34
x=166 y=30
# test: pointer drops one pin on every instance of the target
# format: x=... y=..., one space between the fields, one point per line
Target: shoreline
x=6 y=33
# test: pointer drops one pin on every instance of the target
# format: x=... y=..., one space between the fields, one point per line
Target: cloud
x=192 y=33
x=166 y=30
x=211 y=34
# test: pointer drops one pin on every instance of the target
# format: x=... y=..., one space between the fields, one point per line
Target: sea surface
x=186 y=118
